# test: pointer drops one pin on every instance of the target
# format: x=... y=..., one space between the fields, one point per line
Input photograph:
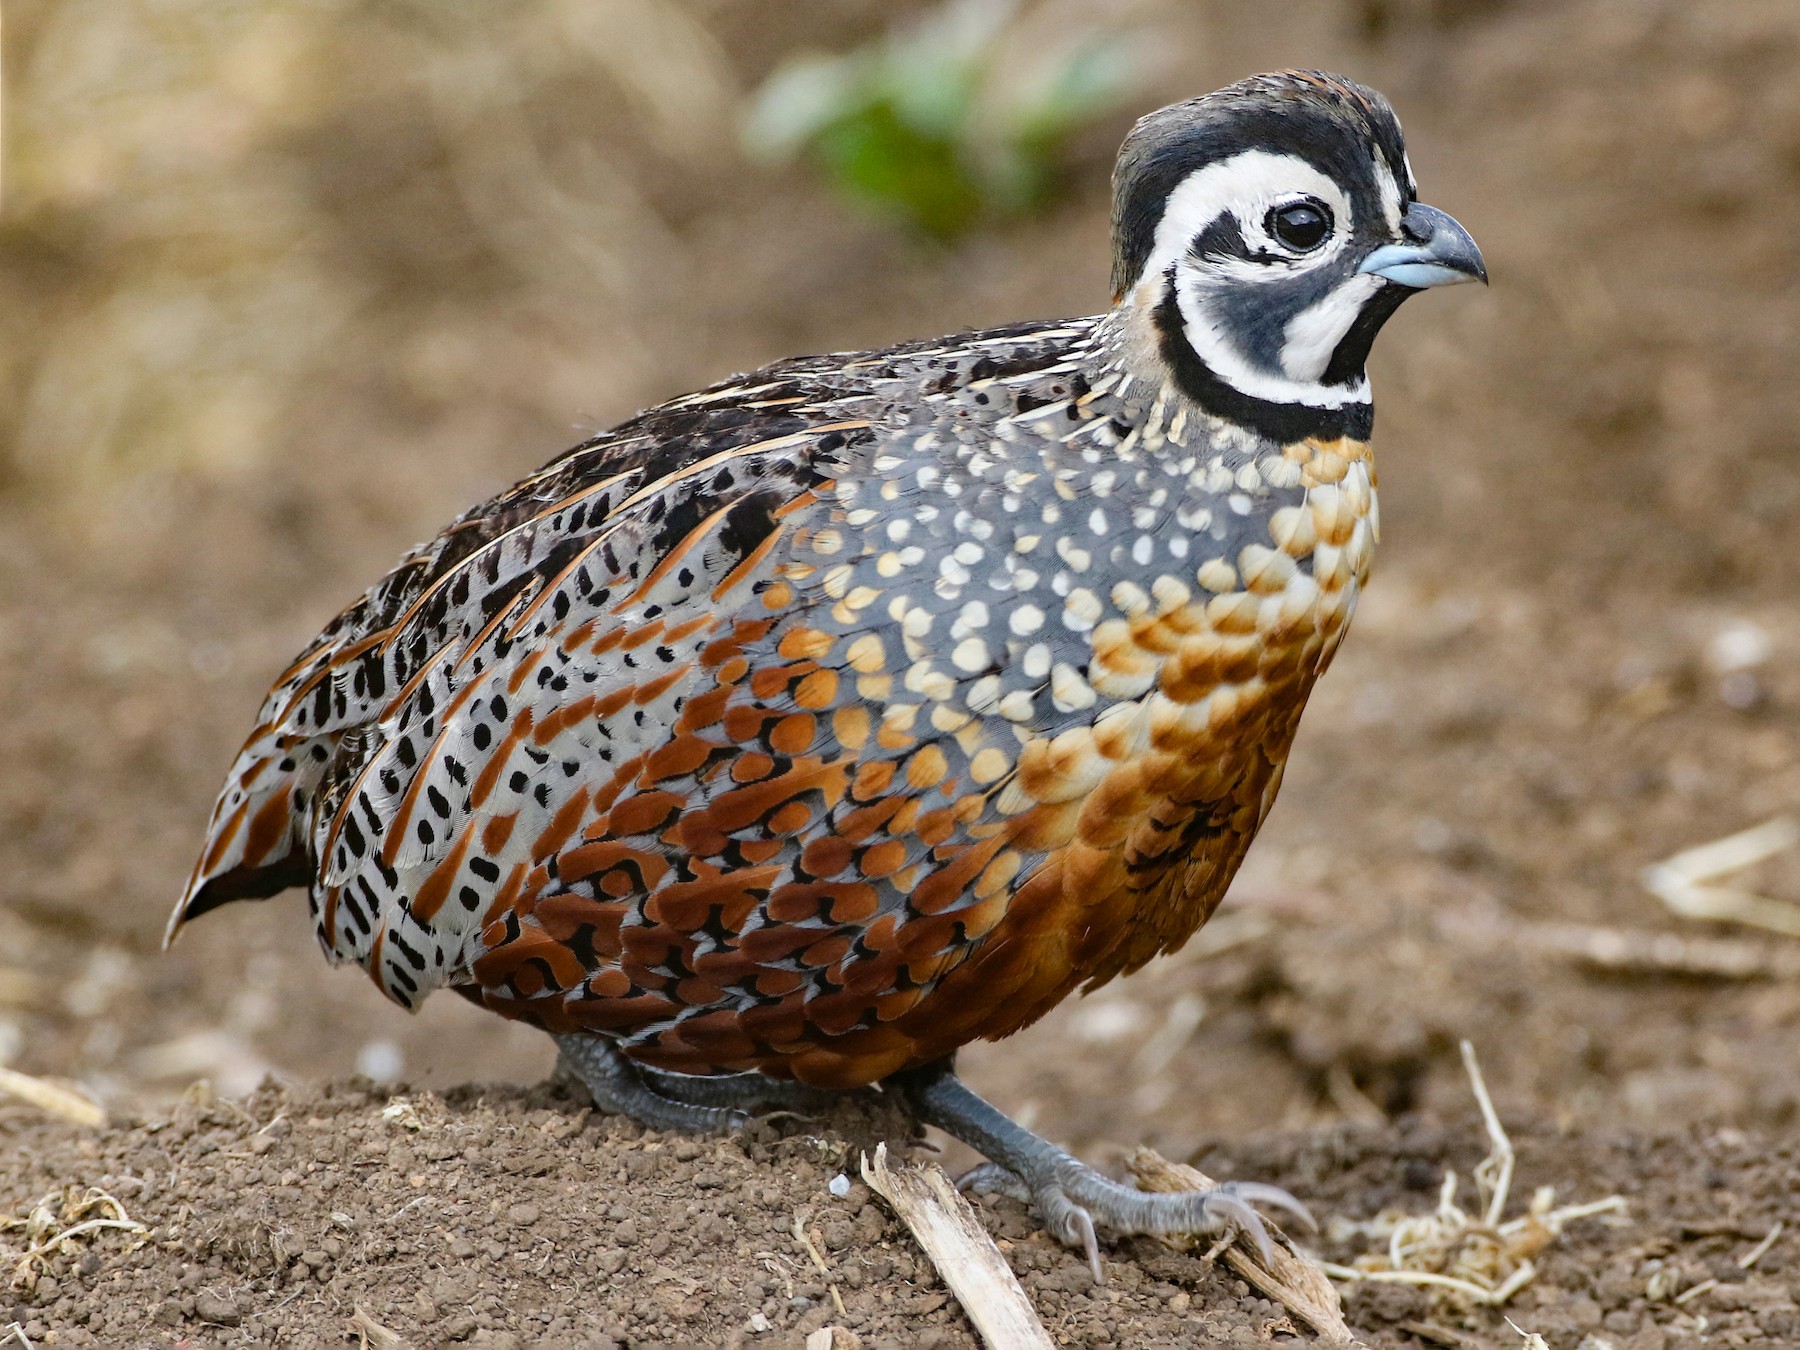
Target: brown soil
x=1590 y=493
x=510 y=1217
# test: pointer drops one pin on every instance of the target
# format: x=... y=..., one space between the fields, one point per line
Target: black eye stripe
x=1223 y=237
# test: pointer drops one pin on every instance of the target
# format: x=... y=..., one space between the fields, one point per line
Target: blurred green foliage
x=951 y=121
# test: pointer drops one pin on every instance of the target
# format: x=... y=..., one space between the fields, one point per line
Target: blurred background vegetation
x=209 y=203
x=960 y=117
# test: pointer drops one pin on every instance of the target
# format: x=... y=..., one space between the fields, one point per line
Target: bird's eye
x=1302 y=226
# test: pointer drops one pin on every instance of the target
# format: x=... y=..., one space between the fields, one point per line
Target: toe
x=1228 y=1210
x=1083 y=1223
x=1272 y=1197
x=993 y=1179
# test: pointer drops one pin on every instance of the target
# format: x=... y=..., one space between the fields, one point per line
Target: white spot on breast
x=983 y=694
x=1068 y=691
x=1026 y=620
x=1017 y=706
x=1082 y=610
x=971 y=654
x=1129 y=598
x=1076 y=557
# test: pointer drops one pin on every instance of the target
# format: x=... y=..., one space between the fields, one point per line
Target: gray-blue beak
x=1443 y=255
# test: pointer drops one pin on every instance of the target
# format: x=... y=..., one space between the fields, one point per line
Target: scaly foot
x=1070 y=1198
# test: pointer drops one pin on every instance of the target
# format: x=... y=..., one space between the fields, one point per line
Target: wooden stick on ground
x=946 y=1226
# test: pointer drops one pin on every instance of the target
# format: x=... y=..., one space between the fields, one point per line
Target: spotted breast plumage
x=797 y=732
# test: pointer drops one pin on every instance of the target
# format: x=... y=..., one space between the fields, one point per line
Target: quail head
x=795 y=733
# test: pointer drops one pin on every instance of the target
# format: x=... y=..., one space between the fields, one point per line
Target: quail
x=795 y=733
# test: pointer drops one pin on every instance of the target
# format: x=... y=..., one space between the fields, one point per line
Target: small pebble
x=217 y=1308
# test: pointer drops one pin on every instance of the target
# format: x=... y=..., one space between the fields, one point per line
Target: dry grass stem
x=966 y=1258
x=1533 y=1341
x=1639 y=952
x=1761 y=1249
x=1688 y=882
x=1482 y=1258
x=810 y=1243
x=60 y=1222
x=1688 y=1295
x=58 y=1101
x=1287 y=1277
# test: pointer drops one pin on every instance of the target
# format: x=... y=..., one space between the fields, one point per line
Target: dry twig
x=370 y=1334
x=1688 y=882
x=966 y=1258
x=1638 y=952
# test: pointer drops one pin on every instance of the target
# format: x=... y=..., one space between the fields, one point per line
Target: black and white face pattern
x=1271 y=229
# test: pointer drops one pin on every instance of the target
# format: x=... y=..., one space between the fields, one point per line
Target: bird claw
x=1090 y=1242
x=992 y=1179
x=1261 y=1193
x=1073 y=1224
x=1233 y=1212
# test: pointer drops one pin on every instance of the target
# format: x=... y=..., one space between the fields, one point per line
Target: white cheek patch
x=1313 y=334
x=1226 y=361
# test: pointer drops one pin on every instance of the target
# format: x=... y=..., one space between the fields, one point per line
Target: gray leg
x=618 y=1086
x=743 y=1091
x=1070 y=1197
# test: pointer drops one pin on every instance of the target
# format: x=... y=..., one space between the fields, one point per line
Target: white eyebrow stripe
x=1393 y=197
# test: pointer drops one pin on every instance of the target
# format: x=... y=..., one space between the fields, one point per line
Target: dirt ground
x=381 y=278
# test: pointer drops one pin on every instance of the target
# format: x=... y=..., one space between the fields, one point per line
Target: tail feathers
x=243 y=883
x=254 y=843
